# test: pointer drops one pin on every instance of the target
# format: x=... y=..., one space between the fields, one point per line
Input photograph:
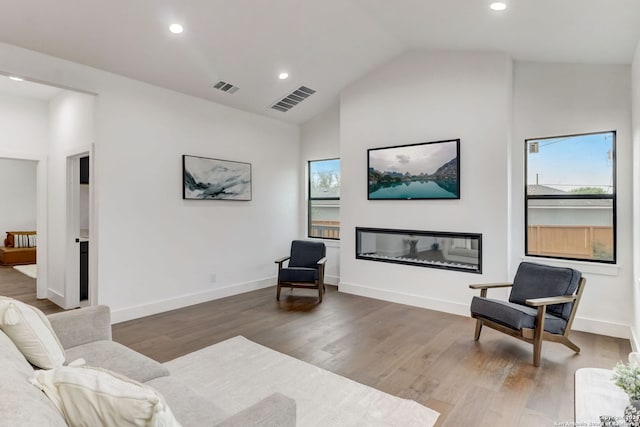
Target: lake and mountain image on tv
x=427 y=170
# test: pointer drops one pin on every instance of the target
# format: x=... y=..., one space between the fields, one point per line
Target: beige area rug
x=596 y=395
x=237 y=373
x=28 y=270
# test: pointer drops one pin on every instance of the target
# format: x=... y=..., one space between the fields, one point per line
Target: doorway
x=48 y=124
x=78 y=271
x=24 y=210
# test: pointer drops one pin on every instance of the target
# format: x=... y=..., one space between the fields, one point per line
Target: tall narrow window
x=571 y=197
x=324 y=198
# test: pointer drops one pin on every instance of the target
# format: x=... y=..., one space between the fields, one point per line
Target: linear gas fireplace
x=435 y=249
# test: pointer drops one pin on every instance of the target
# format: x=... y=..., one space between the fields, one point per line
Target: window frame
x=612 y=197
x=311 y=199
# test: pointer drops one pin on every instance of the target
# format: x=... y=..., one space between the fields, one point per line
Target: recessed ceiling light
x=498 y=6
x=176 y=28
x=16 y=78
x=283 y=76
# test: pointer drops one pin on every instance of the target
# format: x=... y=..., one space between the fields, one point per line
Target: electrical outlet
x=213 y=278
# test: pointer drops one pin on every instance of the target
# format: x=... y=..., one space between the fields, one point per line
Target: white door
x=77 y=292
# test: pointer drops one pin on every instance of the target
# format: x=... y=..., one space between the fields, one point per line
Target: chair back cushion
x=542 y=281
x=306 y=254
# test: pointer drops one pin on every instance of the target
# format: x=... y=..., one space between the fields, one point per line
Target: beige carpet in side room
x=28 y=270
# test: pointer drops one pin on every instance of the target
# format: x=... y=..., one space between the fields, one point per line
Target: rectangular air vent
x=225 y=86
x=293 y=99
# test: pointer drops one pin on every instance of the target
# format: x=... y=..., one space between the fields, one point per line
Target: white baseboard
x=601 y=327
x=55 y=297
x=580 y=324
x=134 y=312
x=634 y=340
x=408 y=299
x=331 y=280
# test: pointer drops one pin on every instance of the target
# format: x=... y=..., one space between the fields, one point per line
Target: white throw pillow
x=96 y=397
x=31 y=332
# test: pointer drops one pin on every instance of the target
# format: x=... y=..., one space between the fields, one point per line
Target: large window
x=324 y=199
x=571 y=197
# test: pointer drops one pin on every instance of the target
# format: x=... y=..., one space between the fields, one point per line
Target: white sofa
x=86 y=333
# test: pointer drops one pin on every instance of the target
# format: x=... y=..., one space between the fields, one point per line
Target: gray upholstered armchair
x=541 y=306
x=305 y=268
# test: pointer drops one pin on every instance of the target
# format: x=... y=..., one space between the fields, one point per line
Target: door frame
x=42 y=266
x=72 y=267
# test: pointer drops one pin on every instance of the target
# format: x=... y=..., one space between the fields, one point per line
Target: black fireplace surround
x=435 y=249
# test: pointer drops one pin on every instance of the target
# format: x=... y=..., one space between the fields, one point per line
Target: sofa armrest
x=81 y=326
x=276 y=410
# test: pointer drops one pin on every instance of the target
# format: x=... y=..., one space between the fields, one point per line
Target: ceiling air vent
x=293 y=99
x=225 y=87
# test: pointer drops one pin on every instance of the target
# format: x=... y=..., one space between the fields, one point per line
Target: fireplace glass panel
x=435 y=249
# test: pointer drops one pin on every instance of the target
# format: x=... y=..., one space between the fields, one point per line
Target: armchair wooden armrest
x=279 y=261
x=483 y=287
x=537 y=302
x=491 y=285
x=322 y=261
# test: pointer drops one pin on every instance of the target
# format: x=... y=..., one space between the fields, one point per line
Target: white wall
x=154 y=246
x=156 y=251
x=565 y=99
x=420 y=97
x=24 y=125
x=319 y=140
x=71 y=131
x=17 y=195
x=635 y=84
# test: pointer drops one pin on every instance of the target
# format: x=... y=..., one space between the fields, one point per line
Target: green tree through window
x=324 y=199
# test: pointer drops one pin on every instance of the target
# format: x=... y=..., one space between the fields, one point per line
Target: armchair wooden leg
x=478 y=329
x=320 y=288
x=537 y=338
x=278 y=293
x=566 y=341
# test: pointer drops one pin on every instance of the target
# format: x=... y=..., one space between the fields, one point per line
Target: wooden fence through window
x=571 y=241
x=325 y=229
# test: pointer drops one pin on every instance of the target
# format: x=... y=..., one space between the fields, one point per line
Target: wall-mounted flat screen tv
x=428 y=170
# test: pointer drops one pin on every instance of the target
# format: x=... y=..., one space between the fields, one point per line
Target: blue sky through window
x=570 y=162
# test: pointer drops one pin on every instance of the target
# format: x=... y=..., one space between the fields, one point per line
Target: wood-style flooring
x=16 y=285
x=419 y=354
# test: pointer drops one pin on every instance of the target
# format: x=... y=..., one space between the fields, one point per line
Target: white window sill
x=582 y=266
x=331 y=243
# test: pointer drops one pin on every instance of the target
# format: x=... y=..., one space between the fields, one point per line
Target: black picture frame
x=422 y=171
x=205 y=178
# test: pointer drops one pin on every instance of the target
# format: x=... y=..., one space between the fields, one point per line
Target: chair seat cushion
x=297 y=274
x=514 y=316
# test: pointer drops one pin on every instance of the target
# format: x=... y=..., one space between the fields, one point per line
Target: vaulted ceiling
x=322 y=44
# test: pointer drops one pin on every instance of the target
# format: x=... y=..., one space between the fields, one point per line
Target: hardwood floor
x=410 y=352
x=23 y=288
